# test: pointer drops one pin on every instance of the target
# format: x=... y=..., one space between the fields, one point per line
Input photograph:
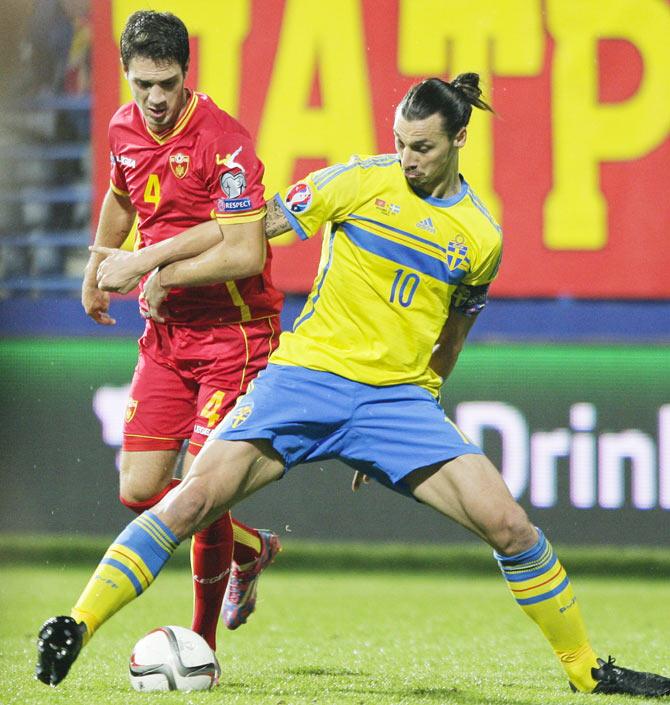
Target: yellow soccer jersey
x=391 y=264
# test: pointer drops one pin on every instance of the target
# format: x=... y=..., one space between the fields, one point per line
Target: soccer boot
x=58 y=645
x=240 y=598
x=614 y=680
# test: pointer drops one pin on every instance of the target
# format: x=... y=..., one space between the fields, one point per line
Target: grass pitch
x=420 y=625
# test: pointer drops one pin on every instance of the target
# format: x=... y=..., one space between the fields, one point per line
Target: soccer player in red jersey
x=179 y=163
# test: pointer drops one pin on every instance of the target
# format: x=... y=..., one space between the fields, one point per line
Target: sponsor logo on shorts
x=131 y=409
x=234 y=204
x=299 y=197
x=241 y=414
x=202 y=430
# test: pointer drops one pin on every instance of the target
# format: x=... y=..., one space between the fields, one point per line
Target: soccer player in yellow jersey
x=408 y=254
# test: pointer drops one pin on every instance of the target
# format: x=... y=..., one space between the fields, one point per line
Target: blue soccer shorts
x=308 y=415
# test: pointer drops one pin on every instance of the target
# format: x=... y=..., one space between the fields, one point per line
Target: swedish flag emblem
x=457 y=253
x=241 y=415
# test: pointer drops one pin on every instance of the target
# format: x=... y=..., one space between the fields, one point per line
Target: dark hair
x=453 y=101
x=160 y=36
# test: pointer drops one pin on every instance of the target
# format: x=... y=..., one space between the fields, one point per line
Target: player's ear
x=460 y=138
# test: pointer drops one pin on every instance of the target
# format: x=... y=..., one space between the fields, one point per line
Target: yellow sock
x=543 y=590
x=245 y=537
x=128 y=567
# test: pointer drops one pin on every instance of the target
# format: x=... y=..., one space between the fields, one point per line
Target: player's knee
x=142 y=496
x=191 y=507
x=511 y=532
x=133 y=494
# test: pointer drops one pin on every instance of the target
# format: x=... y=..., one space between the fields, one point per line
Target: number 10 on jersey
x=404 y=287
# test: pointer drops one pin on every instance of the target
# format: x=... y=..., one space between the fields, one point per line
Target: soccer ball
x=173 y=658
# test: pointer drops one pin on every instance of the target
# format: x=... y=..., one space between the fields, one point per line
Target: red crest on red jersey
x=131 y=408
x=179 y=164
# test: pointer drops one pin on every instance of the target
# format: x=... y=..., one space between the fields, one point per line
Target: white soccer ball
x=173 y=658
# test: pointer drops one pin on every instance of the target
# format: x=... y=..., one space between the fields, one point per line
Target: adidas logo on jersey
x=426 y=224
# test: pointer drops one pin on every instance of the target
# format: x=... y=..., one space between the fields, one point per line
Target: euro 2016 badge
x=179 y=164
x=298 y=198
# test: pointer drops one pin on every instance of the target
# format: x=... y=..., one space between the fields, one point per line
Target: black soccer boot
x=614 y=680
x=58 y=645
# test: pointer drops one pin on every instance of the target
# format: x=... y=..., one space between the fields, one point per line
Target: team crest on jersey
x=457 y=254
x=298 y=198
x=179 y=164
x=240 y=414
x=131 y=408
x=386 y=208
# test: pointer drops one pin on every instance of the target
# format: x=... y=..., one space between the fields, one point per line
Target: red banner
x=574 y=164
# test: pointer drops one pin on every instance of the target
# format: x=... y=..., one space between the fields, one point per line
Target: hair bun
x=468 y=83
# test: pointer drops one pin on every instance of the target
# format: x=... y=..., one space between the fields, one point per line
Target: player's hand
x=119 y=270
x=96 y=305
x=359 y=479
x=154 y=294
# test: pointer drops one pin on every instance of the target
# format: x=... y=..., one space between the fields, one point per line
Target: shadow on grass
x=372 y=693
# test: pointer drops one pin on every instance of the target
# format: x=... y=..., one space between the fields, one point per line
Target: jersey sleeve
x=117 y=179
x=471 y=295
x=326 y=195
x=233 y=177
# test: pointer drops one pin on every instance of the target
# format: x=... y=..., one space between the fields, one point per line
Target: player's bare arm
x=241 y=254
x=276 y=222
x=116 y=219
x=121 y=270
x=450 y=342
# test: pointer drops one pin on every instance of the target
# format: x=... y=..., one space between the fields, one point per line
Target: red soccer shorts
x=187 y=379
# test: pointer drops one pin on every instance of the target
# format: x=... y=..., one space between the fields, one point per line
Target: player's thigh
x=228 y=359
x=470 y=490
x=162 y=403
x=143 y=474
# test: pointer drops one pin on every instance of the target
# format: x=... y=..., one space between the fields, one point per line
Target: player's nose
x=407 y=159
x=156 y=95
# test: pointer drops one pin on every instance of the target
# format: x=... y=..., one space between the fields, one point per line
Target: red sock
x=139 y=507
x=247 y=543
x=211 y=555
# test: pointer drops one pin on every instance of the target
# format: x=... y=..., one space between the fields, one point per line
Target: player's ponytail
x=453 y=101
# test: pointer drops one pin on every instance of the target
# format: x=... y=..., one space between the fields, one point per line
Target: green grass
x=387 y=636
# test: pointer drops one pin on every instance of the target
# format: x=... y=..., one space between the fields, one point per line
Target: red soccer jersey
x=204 y=167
